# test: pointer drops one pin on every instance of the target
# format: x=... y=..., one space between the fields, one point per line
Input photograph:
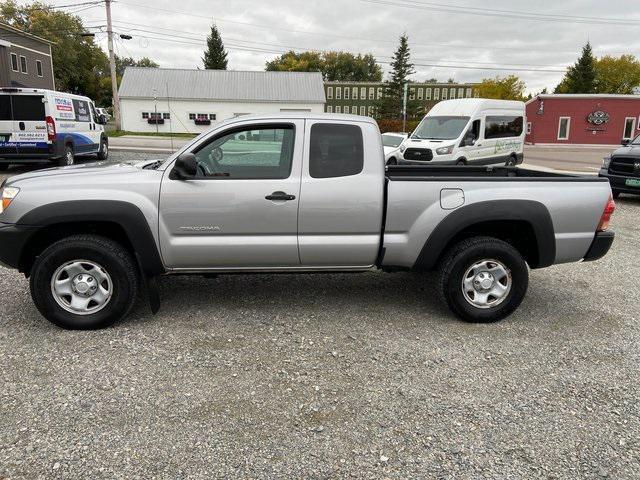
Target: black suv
x=622 y=168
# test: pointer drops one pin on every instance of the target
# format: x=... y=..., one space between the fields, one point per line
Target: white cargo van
x=43 y=125
x=468 y=131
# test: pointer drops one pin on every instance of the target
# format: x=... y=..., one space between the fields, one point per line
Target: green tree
x=580 y=77
x=390 y=105
x=334 y=66
x=617 y=74
x=215 y=56
x=78 y=63
x=123 y=62
x=501 y=88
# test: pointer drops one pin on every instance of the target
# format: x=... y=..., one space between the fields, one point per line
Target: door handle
x=280 y=196
x=21 y=125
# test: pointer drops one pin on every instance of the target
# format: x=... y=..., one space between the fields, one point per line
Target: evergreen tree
x=390 y=105
x=580 y=77
x=215 y=57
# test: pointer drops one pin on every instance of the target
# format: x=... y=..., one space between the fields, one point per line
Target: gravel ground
x=332 y=376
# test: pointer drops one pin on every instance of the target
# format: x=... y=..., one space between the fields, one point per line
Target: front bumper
x=13 y=239
x=600 y=246
x=617 y=182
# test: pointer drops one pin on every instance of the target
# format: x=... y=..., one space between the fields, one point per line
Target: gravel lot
x=332 y=376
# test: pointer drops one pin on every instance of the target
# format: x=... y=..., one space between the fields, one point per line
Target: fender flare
x=534 y=213
x=125 y=214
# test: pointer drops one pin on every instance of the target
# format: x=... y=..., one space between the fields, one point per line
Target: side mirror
x=186 y=167
x=102 y=119
x=625 y=142
x=469 y=140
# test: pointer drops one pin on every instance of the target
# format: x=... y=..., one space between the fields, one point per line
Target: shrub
x=395 y=125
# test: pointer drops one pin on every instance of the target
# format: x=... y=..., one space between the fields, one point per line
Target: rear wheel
x=461 y=162
x=483 y=279
x=512 y=161
x=84 y=282
x=103 y=153
x=68 y=157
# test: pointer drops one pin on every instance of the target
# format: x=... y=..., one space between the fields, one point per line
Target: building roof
x=18 y=32
x=222 y=85
x=583 y=96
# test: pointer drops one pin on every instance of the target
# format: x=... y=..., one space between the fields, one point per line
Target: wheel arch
x=526 y=224
x=120 y=221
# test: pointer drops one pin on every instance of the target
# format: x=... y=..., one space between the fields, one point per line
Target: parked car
x=103 y=111
x=622 y=168
x=391 y=144
x=47 y=126
x=301 y=193
x=468 y=131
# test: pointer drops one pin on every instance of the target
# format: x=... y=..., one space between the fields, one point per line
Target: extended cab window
x=503 y=126
x=335 y=150
x=259 y=152
x=27 y=107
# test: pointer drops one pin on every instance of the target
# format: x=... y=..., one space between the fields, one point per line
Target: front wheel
x=68 y=158
x=84 y=282
x=103 y=153
x=483 y=279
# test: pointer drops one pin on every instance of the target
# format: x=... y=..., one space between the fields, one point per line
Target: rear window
x=503 y=126
x=335 y=150
x=5 y=107
x=27 y=107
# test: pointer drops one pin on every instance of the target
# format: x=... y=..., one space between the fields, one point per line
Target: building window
x=338 y=93
x=329 y=92
x=528 y=128
x=212 y=116
x=329 y=109
x=23 y=64
x=444 y=93
x=563 y=128
x=372 y=93
x=468 y=93
x=428 y=94
x=629 y=128
x=354 y=93
x=39 y=68
x=192 y=116
x=354 y=109
x=338 y=109
x=166 y=116
x=202 y=116
x=145 y=115
x=362 y=110
x=412 y=93
x=379 y=93
x=452 y=93
x=420 y=93
x=461 y=93
x=436 y=94
x=363 y=93
x=14 y=62
x=346 y=93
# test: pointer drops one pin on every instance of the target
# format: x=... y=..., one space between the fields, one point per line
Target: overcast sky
x=173 y=32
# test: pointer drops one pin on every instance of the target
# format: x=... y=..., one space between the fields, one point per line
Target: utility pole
x=112 y=67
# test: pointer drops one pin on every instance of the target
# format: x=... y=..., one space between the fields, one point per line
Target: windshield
x=391 y=140
x=440 y=128
x=636 y=141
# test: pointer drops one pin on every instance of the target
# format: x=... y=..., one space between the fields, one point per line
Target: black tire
x=68 y=158
x=512 y=161
x=103 y=153
x=115 y=260
x=461 y=162
x=615 y=193
x=458 y=259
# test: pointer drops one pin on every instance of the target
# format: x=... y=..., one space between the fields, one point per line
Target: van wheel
x=483 y=279
x=103 y=153
x=84 y=282
x=512 y=161
x=68 y=158
x=461 y=162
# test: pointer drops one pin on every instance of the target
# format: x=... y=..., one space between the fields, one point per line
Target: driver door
x=240 y=212
x=472 y=152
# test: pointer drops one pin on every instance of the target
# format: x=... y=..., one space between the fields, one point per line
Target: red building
x=582 y=119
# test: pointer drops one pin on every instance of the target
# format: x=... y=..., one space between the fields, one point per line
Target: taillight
x=606 y=215
x=51 y=128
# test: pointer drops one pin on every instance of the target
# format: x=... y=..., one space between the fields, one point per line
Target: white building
x=177 y=100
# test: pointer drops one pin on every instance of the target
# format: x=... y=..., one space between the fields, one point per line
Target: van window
x=81 y=108
x=335 y=150
x=27 y=107
x=503 y=126
x=5 y=107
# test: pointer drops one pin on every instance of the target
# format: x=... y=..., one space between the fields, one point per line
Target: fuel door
x=451 y=198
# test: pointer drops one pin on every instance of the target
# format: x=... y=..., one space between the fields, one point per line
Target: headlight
x=8 y=194
x=606 y=161
x=444 y=150
x=402 y=148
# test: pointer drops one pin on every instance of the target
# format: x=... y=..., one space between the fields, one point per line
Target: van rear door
x=29 y=116
x=7 y=127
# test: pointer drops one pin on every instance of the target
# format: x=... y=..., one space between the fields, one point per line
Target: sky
x=467 y=40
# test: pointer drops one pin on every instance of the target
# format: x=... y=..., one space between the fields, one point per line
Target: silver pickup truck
x=291 y=193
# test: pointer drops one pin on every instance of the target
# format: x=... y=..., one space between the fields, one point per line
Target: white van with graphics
x=42 y=125
x=468 y=131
